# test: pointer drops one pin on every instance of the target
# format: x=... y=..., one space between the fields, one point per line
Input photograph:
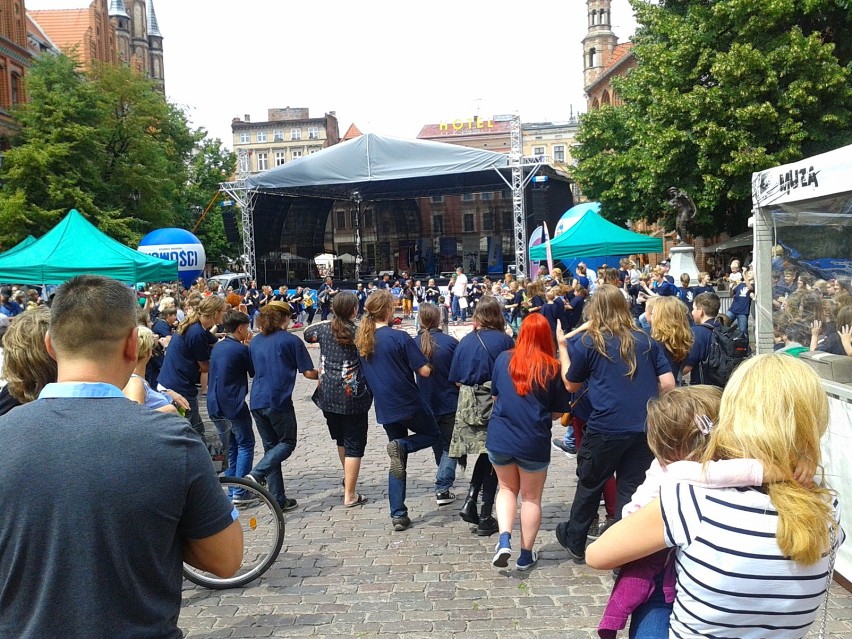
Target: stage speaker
x=539 y=203
x=229 y=220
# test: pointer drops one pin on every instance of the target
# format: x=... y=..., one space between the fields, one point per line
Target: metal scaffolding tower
x=518 y=163
x=244 y=198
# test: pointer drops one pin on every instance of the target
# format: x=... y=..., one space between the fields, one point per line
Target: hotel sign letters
x=467 y=125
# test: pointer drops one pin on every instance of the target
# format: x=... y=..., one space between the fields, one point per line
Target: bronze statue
x=686 y=211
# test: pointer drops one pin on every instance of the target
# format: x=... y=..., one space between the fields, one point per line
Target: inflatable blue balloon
x=179 y=245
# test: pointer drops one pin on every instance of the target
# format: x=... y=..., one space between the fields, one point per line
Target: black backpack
x=728 y=347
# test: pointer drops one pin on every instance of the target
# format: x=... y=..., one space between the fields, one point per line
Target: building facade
x=15 y=59
x=109 y=31
x=603 y=56
x=493 y=134
x=287 y=134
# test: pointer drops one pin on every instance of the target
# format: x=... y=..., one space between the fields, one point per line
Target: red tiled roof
x=65 y=27
x=620 y=51
x=352 y=132
x=468 y=128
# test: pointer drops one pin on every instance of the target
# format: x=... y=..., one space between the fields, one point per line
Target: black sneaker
x=569 y=451
x=397 y=460
x=289 y=504
x=260 y=481
x=598 y=528
x=444 y=498
x=486 y=527
x=401 y=523
x=579 y=557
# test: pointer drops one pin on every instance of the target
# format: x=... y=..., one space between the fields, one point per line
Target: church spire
x=153 y=27
x=117 y=9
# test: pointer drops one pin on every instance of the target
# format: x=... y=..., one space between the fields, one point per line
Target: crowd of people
x=617 y=356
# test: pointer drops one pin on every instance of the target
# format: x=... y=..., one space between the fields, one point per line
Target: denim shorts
x=499 y=459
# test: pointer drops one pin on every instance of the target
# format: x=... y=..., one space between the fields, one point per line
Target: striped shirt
x=732 y=579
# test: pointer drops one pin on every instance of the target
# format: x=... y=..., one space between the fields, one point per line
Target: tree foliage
x=107 y=143
x=722 y=89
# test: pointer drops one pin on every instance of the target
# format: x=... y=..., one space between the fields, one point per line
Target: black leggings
x=484 y=478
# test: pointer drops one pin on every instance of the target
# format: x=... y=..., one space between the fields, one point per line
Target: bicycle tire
x=263 y=537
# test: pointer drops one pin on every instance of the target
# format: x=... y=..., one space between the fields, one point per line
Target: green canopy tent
x=24 y=243
x=590 y=235
x=76 y=247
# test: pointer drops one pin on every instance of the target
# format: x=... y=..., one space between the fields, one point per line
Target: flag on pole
x=549 y=250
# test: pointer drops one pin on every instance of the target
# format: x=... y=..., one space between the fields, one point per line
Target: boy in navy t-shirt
x=741 y=298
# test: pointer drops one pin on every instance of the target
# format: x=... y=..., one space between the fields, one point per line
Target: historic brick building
x=15 y=58
x=603 y=56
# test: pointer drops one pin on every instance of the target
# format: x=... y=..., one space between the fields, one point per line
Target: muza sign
x=797 y=178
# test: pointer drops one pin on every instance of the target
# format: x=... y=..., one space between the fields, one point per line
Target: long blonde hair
x=207 y=307
x=670 y=326
x=609 y=316
x=775 y=410
x=378 y=308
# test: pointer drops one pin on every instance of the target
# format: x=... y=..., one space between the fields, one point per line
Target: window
x=507 y=221
x=468 y=197
x=538 y=151
x=368 y=218
x=295 y=134
x=437 y=198
x=245 y=138
x=488 y=221
x=278 y=135
x=313 y=133
x=468 y=222
x=245 y=163
x=341 y=219
x=559 y=153
x=280 y=158
x=262 y=161
x=297 y=154
x=438 y=224
x=488 y=195
x=261 y=136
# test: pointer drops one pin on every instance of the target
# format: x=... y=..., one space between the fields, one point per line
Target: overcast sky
x=389 y=67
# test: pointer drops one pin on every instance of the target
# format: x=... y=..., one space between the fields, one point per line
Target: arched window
x=601 y=20
x=605 y=98
x=593 y=54
x=595 y=103
x=592 y=18
x=138 y=21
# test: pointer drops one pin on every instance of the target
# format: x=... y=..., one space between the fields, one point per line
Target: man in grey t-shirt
x=103 y=498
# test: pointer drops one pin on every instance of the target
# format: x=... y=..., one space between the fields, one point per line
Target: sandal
x=358 y=502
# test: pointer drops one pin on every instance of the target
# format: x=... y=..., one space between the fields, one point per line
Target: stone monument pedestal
x=683 y=261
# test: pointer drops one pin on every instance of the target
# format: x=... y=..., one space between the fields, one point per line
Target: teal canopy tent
x=76 y=247
x=24 y=243
x=589 y=235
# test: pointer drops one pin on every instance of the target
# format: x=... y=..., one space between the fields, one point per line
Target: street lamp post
x=355 y=213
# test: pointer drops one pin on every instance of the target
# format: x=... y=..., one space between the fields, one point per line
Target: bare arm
x=666 y=382
x=220 y=554
x=204 y=367
x=425 y=370
x=816 y=327
x=632 y=538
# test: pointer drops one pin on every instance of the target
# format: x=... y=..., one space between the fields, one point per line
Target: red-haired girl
x=530 y=393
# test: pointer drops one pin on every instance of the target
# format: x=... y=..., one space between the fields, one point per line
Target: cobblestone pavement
x=345 y=572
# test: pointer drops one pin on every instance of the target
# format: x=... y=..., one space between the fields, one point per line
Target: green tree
x=209 y=166
x=104 y=142
x=722 y=89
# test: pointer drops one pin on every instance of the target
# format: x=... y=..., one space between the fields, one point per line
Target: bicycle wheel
x=263 y=535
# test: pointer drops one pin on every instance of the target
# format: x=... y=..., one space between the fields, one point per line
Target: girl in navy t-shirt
x=389 y=359
x=529 y=389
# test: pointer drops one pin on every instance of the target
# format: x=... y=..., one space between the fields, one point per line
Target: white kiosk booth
x=803 y=220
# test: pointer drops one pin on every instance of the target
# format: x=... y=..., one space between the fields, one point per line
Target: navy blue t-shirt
x=665 y=288
x=618 y=401
x=520 y=426
x=438 y=392
x=584 y=281
x=553 y=312
x=741 y=299
x=277 y=358
x=471 y=363
x=227 y=385
x=161 y=328
x=700 y=346
x=392 y=366
x=574 y=314
x=703 y=289
x=180 y=370
x=686 y=294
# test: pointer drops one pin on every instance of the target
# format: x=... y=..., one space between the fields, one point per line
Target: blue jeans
x=741 y=320
x=651 y=619
x=237 y=437
x=458 y=311
x=426 y=434
x=278 y=434
x=446 y=475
